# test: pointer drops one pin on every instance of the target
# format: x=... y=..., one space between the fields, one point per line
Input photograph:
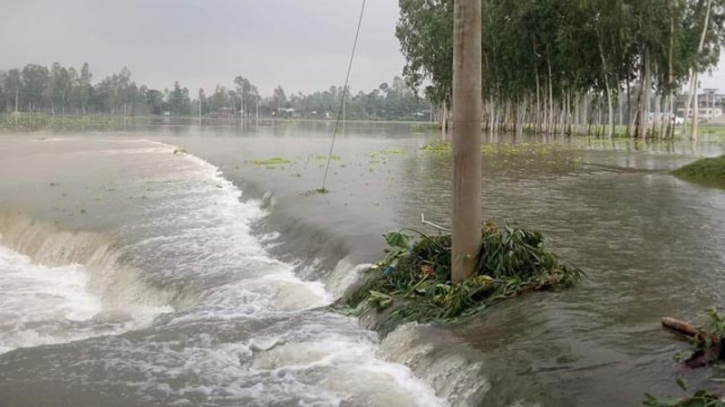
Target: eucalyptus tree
x=179 y=100
x=279 y=97
x=34 y=80
x=425 y=31
x=84 y=86
x=563 y=65
x=248 y=94
x=13 y=84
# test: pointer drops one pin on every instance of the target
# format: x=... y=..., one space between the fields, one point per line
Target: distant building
x=710 y=105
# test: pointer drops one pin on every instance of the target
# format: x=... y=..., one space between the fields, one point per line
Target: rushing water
x=134 y=276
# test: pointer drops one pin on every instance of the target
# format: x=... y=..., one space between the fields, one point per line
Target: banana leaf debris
x=413 y=281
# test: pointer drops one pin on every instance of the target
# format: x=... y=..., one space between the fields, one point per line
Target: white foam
x=45 y=305
x=253 y=334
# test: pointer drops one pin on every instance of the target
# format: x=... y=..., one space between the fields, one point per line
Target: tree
x=179 y=101
x=248 y=94
x=154 y=101
x=13 y=85
x=219 y=99
x=84 y=86
x=279 y=97
x=425 y=32
x=60 y=89
x=35 y=80
x=202 y=102
x=560 y=66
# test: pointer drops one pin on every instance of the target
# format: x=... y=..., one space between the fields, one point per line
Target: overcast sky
x=303 y=45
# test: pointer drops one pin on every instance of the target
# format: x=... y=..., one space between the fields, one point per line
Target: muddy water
x=222 y=300
x=131 y=277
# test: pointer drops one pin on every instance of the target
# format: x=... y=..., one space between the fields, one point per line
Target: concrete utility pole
x=467 y=104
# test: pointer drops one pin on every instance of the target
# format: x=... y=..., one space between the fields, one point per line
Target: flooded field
x=173 y=264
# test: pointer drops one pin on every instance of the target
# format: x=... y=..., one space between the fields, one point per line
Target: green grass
x=707 y=171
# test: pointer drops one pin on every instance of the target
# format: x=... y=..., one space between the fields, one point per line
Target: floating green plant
x=270 y=162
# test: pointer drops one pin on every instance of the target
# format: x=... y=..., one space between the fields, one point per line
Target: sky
x=303 y=45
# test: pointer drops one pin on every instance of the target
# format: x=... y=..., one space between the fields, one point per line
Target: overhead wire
x=344 y=95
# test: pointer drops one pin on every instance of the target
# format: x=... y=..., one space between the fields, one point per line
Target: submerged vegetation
x=708 y=171
x=413 y=282
x=701 y=398
x=271 y=162
x=506 y=151
x=42 y=121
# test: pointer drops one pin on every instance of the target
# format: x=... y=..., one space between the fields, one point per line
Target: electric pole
x=467 y=104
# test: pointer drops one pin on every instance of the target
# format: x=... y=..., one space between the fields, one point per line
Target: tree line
x=572 y=66
x=60 y=90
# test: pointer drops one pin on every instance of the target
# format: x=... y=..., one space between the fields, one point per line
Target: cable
x=344 y=94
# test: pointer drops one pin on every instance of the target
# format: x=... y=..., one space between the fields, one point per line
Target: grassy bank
x=708 y=171
x=413 y=282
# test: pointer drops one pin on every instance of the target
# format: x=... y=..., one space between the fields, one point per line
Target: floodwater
x=174 y=265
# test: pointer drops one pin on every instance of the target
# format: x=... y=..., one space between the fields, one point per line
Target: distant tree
x=154 y=101
x=203 y=104
x=219 y=99
x=84 y=86
x=179 y=101
x=62 y=90
x=248 y=94
x=35 y=80
x=279 y=98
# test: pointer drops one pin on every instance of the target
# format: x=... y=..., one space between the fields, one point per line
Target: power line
x=344 y=94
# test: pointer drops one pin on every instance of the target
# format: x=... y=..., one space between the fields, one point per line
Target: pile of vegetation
x=413 y=282
x=709 y=171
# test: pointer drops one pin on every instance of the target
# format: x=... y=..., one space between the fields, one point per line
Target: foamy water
x=46 y=305
x=223 y=323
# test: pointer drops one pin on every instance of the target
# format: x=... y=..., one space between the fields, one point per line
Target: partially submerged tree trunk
x=669 y=129
x=656 y=119
x=610 y=131
x=551 y=100
x=629 y=110
x=647 y=91
x=711 y=345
